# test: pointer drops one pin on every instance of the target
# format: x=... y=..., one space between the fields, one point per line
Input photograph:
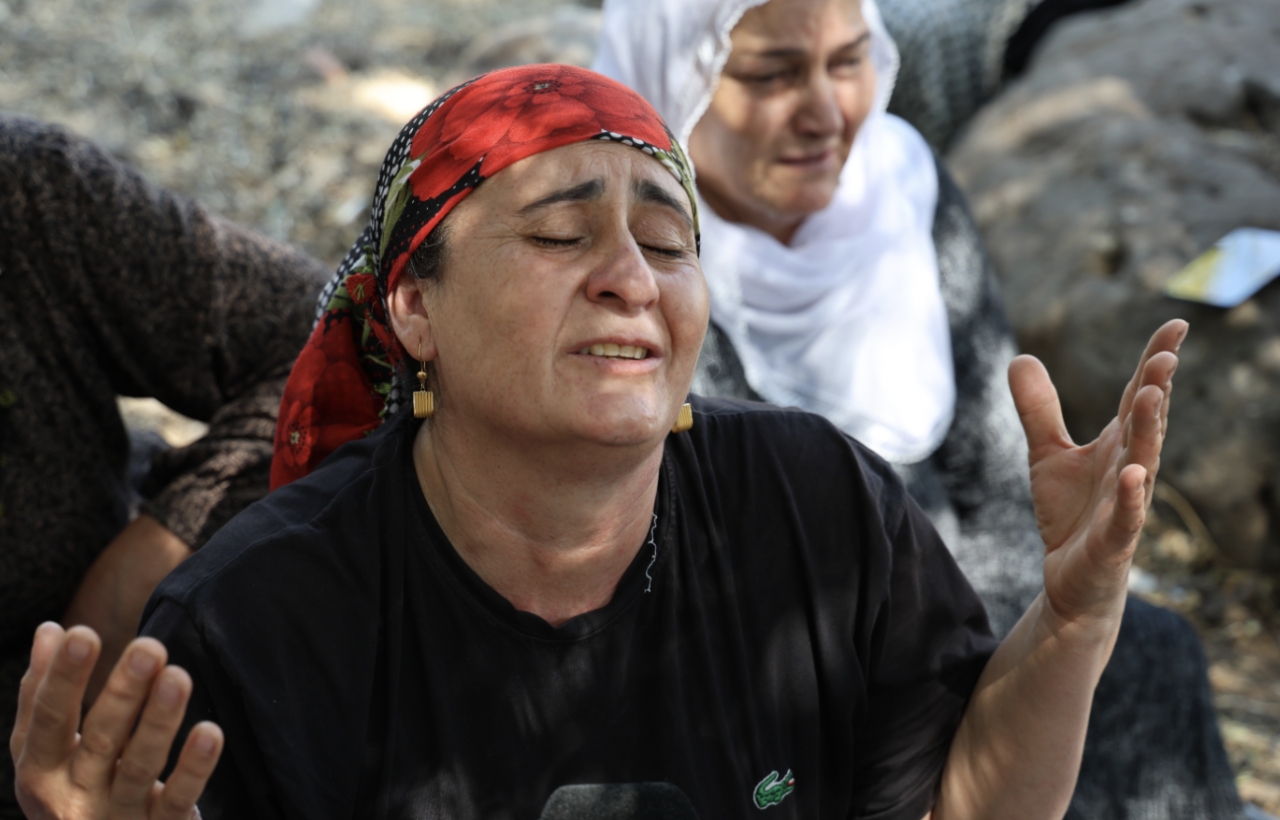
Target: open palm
x=1091 y=500
x=108 y=769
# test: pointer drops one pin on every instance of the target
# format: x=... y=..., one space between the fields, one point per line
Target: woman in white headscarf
x=847 y=278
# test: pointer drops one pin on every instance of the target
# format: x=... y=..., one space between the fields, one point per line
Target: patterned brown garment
x=109 y=286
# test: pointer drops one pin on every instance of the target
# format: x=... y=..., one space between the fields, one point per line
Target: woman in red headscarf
x=553 y=591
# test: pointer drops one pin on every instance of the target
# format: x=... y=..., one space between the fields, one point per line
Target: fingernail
x=142 y=664
x=203 y=744
x=1183 y=334
x=168 y=692
x=46 y=632
x=78 y=647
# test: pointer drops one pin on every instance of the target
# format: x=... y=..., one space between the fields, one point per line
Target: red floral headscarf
x=344 y=382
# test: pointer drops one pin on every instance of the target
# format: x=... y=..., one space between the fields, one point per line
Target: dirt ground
x=276 y=113
x=277 y=126
x=1237 y=613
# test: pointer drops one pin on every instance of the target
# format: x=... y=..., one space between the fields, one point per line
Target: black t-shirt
x=795 y=639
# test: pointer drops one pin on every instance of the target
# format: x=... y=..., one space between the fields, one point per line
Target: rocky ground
x=1237 y=613
x=277 y=112
x=1136 y=139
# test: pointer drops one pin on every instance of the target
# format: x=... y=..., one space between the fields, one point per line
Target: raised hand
x=110 y=768
x=1091 y=500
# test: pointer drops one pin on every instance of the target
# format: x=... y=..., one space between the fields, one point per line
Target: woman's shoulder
x=307 y=527
x=765 y=447
x=768 y=422
x=781 y=490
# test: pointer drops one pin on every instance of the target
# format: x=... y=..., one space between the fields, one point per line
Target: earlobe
x=410 y=318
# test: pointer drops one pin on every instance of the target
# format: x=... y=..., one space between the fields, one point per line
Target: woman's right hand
x=108 y=769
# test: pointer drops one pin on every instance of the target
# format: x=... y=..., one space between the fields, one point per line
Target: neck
x=780 y=226
x=552 y=529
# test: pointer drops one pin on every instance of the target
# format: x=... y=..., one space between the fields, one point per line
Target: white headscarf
x=848 y=319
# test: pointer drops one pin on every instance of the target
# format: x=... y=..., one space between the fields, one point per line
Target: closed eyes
x=554 y=242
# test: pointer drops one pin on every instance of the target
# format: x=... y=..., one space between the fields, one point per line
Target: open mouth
x=612 y=351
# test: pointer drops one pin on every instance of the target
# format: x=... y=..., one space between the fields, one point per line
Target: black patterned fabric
x=110 y=287
x=1153 y=751
x=956 y=54
x=952 y=59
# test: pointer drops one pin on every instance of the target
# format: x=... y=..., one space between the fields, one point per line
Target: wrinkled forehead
x=593 y=173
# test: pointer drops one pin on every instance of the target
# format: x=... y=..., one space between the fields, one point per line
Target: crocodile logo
x=773 y=789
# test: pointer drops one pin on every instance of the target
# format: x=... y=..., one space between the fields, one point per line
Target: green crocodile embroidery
x=772 y=790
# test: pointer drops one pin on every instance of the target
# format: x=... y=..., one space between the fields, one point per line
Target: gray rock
x=1139 y=137
x=266 y=17
x=567 y=34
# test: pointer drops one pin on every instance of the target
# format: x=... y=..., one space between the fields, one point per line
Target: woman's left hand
x=1091 y=500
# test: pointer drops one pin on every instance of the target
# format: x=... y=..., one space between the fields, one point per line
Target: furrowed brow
x=586 y=192
x=642 y=190
x=862 y=39
x=775 y=53
x=789 y=53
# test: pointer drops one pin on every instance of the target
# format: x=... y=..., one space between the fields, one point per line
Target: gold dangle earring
x=684 y=421
x=424 y=401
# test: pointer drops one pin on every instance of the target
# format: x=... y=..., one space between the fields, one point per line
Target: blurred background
x=1110 y=150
